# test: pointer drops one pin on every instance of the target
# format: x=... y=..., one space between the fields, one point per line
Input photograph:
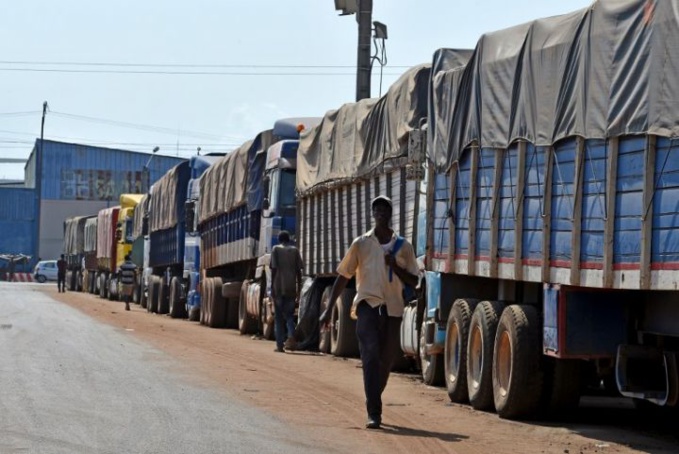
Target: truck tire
x=246 y=324
x=267 y=316
x=343 y=340
x=480 y=347
x=217 y=317
x=72 y=280
x=111 y=295
x=101 y=281
x=79 y=281
x=455 y=353
x=203 y=301
x=154 y=287
x=517 y=375
x=324 y=340
x=177 y=308
x=562 y=385
x=431 y=365
x=163 y=296
x=231 y=292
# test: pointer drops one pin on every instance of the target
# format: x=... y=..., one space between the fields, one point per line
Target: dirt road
x=323 y=396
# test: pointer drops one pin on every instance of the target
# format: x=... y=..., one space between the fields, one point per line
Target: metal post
x=364 y=19
x=38 y=178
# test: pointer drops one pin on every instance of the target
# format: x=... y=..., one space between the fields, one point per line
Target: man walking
x=382 y=263
x=61 y=274
x=127 y=274
x=286 y=277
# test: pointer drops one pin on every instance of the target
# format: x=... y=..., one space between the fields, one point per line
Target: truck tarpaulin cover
x=91 y=234
x=106 y=226
x=139 y=212
x=604 y=71
x=235 y=180
x=168 y=198
x=74 y=235
x=360 y=138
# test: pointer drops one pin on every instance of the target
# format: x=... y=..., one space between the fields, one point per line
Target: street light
x=346 y=6
x=145 y=170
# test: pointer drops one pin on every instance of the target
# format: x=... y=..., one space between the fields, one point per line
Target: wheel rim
x=504 y=363
x=453 y=353
x=475 y=356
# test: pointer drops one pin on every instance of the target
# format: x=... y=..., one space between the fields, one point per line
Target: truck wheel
x=231 y=292
x=112 y=296
x=163 y=296
x=517 y=375
x=154 y=287
x=324 y=340
x=480 y=346
x=343 y=340
x=203 y=301
x=217 y=317
x=563 y=385
x=431 y=365
x=72 y=281
x=268 y=316
x=246 y=324
x=177 y=309
x=102 y=286
x=79 y=281
x=455 y=354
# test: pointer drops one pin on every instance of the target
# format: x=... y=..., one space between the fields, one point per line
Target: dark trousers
x=285 y=319
x=378 y=339
x=61 y=282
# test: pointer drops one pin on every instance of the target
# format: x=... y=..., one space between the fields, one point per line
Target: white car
x=45 y=270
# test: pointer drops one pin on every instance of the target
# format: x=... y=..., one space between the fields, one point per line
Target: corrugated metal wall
x=82 y=172
x=17 y=221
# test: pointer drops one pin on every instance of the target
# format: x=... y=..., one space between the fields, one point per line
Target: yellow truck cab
x=128 y=202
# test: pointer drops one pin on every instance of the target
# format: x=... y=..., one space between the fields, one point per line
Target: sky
x=136 y=74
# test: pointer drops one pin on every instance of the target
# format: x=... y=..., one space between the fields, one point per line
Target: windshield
x=287 y=189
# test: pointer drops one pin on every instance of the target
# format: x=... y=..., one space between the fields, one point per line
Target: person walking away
x=286 y=278
x=383 y=263
x=127 y=273
x=61 y=274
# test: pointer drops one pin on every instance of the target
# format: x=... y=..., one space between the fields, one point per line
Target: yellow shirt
x=365 y=260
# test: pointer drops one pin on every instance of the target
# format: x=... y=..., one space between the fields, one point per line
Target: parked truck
x=246 y=199
x=552 y=213
x=107 y=249
x=123 y=239
x=356 y=153
x=74 y=250
x=90 y=265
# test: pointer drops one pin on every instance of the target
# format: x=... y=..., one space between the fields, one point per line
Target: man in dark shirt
x=61 y=274
x=286 y=274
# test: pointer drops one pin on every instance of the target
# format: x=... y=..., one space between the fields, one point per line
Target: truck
x=139 y=251
x=90 y=265
x=551 y=214
x=245 y=200
x=74 y=250
x=173 y=255
x=356 y=153
x=124 y=239
x=107 y=249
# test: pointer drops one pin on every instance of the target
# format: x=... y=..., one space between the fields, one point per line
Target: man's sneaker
x=279 y=350
x=373 y=422
x=290 y=344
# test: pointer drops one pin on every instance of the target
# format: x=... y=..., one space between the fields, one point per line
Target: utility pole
x=363 y=67
x=38 y=178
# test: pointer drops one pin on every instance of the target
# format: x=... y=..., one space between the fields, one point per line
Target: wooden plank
x=341 y=222
x=334 y=226
x=452 y=218
x=430 y=247
x=576 y=233
x=495 y=210
x=518 y=207
x=473 y=177
x=609 y=221
x=647 y=215
x=402 y=204
x=367 y=207
x=359 y=210
x=547 y=214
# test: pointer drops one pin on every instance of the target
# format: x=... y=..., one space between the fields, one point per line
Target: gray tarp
x=168 y=198
x=604 y=71
x=139 y=212
x=235 y=178
x=74 y=235
x=361 y=137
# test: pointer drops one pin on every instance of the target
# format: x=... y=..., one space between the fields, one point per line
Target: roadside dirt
x=323 y=396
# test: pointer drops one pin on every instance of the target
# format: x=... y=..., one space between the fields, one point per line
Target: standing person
x=382 y=263
x=286 y=278
x=127 y=273
x=61 y=274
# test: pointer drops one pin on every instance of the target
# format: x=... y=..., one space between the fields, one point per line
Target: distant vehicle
x=45 y=270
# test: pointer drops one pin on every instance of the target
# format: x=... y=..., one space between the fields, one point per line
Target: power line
x=180 y=65
x=183 y=73
x=19 y=114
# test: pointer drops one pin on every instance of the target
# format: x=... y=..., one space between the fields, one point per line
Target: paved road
x=72 y=385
